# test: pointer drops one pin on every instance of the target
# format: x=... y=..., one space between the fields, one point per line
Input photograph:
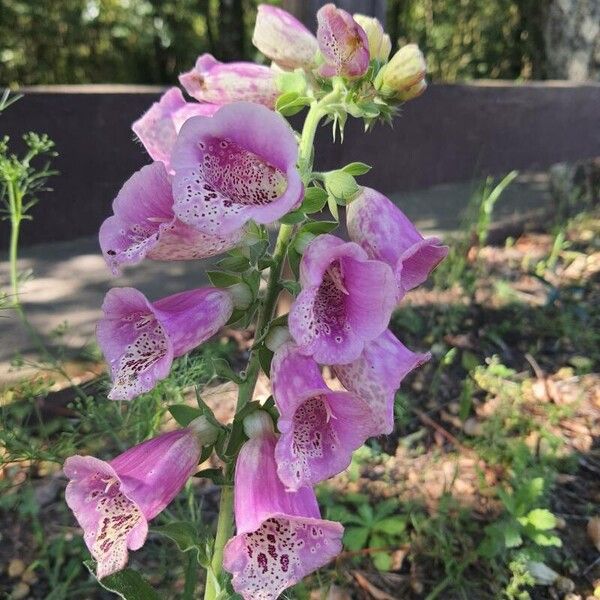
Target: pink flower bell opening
x=283 y=39
x=222 y=83
x=343 y=43
x=140 y=339
x=376 y=376
x=281 y=537
x=144 y=225
x=113 y=501
x=236 y=166
x=384 y=231
x=157 y=128
x=319 y=428
x=346 y=300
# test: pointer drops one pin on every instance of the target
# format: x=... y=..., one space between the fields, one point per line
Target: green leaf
x=356 y=168
x=391 y=525
x=355 y=538
x=184 y=414
x=382 y=561
x=238 y=264
x=296 y=216
x=221 y=279
x=293 y=287
x=541 y=518
x=343 y=515
x=366 y=512
x=127 y=584
x=385 y=508
x=215 y=475
x=187 y=538
x=333 y=209
x=318 y=227
x=340 y=185
x=294 y=260
x=265 y=356
x=314 y=200
x=290 y=103
x=512 y=535
x=541 y=538
x=293 y=82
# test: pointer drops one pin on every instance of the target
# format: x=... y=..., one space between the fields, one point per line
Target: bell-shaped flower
x=140 y=339
x=343 y=43
x=283 y=39
x=376 y=376
x=221 y=83
x=236 y=166
x=380 y=44
x=320 y=428
x=113 y=501
x=386 y=234
x=403 y=78
x=281 y=537
x=144 y=225
x=157 y=128
x=346 y=300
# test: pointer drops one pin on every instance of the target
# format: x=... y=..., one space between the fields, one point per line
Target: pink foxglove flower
x=281 y=537
x=140 y=339
x=343 y=43
x=221 y=83
x=386 y=234
x=113 y=501
x=157 y=128
x=346 y=300
x=376 y=376
x=236 y=166
x=283 y=39
x=319 y=428
x=144 y=225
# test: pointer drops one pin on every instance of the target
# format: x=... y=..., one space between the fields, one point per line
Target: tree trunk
x=572 y=36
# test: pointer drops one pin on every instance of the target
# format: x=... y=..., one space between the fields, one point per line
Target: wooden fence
x=452 y=133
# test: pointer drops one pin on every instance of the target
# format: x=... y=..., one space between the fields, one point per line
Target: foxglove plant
x=225 y=166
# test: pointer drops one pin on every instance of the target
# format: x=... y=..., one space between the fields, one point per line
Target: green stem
x=15 y=225
x=191 y=577
x=246 y=388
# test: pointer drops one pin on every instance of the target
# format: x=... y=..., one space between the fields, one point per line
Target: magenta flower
x=221 y=83
x=346 y=300
x=140 y=339
x=281 y=537
x=236 y=166
x=386 y=234
x=157 y=128
x=144 y=225
x=283 y=39
x=343 y=43
x=113 y=501
x=376 y=376
x=319 y=428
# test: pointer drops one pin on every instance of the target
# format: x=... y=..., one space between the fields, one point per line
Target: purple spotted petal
x=283 y=39
x=221 y=83
x=157 y=128
x=343 y=43
x=319 y=428
x=140 y=339
x=346 y=300
x=280 y=535
x=113 y=501
x=144 y=225
x=386 y=234
x=236 y=166
x=376 y=376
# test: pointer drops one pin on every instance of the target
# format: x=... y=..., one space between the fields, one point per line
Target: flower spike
x=384 y=231
x=113 y=501
x=157 y=128
x=236 y=166
x=144 y=225
x=343 y=43
x=283 y=39
x=376 y=376
x=281 y=537
x=346 y=300
x=140 y=339
x=221 y=83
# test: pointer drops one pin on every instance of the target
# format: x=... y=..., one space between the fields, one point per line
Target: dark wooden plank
x=452 y=133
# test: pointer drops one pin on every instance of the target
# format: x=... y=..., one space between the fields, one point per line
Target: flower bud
x=257 y=424
x=404 y=76
x=380 y=44
x=207 y=432
x=241 y=294
x=276 y=337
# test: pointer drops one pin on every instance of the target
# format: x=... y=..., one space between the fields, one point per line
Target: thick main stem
x=246 y=388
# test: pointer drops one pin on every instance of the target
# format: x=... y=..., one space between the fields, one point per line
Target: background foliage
x=151 y=41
